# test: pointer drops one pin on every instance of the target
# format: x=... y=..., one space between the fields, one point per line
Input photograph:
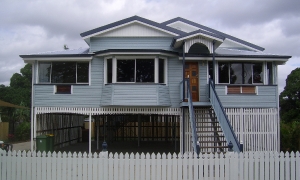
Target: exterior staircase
x=209 y=133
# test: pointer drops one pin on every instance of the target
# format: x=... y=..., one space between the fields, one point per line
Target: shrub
x=23 y=131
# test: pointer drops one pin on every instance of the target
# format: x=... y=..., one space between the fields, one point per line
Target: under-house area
x=130 y=133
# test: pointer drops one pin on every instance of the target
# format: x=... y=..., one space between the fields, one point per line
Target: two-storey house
x=161 y=81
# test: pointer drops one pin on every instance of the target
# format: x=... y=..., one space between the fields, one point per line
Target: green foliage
x=19 y=93
x=289 y=101
x=290 y=136
x=290 y=98
x=23 y=131
x=22 y=115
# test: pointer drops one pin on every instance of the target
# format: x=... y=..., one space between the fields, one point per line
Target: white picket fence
x=77 y=166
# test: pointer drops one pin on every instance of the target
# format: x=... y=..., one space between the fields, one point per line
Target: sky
x=31 y=26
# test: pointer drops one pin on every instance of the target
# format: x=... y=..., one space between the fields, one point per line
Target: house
x=175 y=80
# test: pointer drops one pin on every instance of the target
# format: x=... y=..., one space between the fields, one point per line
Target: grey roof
x=127 y=20
x=80 y=52
x=212 y=31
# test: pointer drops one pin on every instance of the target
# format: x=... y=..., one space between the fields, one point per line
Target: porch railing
x=223 y=119
x=188 y=96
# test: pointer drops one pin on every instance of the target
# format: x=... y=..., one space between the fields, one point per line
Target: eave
x=57 y=57
x=135 y=52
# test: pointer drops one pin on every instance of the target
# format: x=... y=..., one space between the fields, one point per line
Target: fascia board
x=58 y=59
x=125 y=24
x=236 y=59
x=135 y=53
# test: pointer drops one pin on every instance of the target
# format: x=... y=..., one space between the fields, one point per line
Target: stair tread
x=204 y=147
x=211 y=141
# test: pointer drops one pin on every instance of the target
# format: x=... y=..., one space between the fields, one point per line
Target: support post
x=90 y=133
x=214 y=64
x=183 y=71
x=104 y=144
x=139 y=130
x=34 y=128
x=183 y=95
x=32 y=109
x=97 y=136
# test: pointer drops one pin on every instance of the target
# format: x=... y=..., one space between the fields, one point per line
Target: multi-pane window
x=135 y=70
x=240 y=73
x=64 y=72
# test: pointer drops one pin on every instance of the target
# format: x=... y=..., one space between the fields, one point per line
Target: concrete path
x=21 y=146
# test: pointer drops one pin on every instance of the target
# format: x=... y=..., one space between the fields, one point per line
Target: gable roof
x=212 y=31
x=129 y=20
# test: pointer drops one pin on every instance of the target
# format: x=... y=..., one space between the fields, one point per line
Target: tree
x=290 y=98
x=289 y=101
x=19 y=93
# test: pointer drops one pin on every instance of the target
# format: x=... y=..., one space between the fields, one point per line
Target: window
x=161 y=71
x=135 y=70
x=138 y=70
x=63 y=89
x=241 y=90
x=270 y=73
x=109 y=71
x=44 y=72
x=64 y=72
x=240 y=73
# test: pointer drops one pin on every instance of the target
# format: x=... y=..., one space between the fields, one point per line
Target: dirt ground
x=126 y=146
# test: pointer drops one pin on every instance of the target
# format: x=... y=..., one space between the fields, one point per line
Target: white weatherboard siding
x=250 y=165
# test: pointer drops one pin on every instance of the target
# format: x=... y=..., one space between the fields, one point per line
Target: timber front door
x=191 y=71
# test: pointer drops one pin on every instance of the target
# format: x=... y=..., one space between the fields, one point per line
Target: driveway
x=21 y=146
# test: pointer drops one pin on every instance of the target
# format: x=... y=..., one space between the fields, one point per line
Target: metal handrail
x=223 y=119
x=195 y=144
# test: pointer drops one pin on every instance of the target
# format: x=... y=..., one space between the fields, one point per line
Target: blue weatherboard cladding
x=174 y=79
x=265 y=98
x=203 y=86
x=83 y=95
x=135 y=95
x=98 y=44
x=98 y=94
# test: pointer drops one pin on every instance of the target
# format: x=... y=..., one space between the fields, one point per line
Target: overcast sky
x=36 y=26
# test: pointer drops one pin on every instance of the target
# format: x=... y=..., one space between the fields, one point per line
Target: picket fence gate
x=76 y=166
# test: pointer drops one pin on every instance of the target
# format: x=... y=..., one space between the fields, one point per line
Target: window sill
x=54 y=84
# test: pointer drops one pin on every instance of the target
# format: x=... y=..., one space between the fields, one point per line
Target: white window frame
x=156 y=68
x=38 y=79
x=263 y=72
